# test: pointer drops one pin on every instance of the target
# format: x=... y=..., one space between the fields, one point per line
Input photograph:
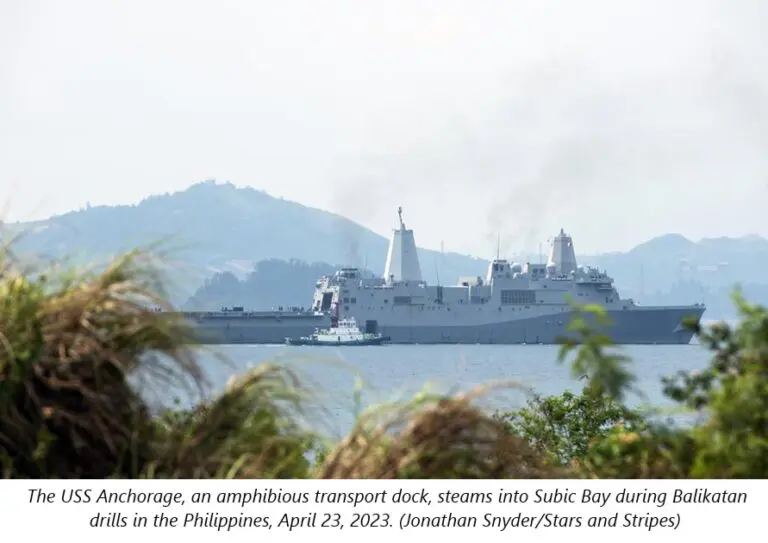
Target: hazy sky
x=618 y=120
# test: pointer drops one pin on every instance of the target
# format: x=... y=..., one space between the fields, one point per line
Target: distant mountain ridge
x=216 y=227
x=217 y=232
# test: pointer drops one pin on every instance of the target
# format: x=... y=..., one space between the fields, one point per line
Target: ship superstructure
x=514 y=303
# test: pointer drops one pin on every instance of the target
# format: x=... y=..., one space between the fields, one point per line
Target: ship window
x=517 y=297
x=353 y=300
x=402 y=300
x=346 y=300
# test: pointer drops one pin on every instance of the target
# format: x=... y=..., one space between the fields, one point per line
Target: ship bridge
x=348 y=273
x=498 y=269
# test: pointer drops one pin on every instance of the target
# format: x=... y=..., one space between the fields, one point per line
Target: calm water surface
x=394 y=372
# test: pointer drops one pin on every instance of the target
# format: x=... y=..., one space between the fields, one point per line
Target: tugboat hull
x=349 y=343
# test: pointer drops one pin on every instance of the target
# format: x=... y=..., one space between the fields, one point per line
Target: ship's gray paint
x=513 y=304
x=225 y=328
x=643 y=326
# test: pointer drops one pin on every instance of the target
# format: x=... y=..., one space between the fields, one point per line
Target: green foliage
x=733 y=390
x=247 y=431
x=564 y=427
x=606 y=371
x=653 y=453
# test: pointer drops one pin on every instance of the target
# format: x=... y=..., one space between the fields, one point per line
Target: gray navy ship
x=515 y=303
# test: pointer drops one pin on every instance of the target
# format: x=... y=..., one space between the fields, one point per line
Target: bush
x=563 y=428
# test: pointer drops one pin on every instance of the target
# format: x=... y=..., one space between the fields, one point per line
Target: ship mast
x=402 y=255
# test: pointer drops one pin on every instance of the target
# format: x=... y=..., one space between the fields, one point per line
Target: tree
x=564 y=427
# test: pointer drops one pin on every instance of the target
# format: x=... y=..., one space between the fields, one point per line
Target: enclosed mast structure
x=402 y=257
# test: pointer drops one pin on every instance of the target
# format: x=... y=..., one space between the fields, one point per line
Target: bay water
x=345 y=380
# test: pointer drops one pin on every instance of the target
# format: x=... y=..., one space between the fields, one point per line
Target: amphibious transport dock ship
x=513 y=304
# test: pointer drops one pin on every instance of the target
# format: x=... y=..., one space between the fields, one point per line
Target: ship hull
x=243 y=332
x=306 y=342
x=636 y=326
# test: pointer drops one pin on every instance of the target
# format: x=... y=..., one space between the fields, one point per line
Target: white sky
x=619 y=120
